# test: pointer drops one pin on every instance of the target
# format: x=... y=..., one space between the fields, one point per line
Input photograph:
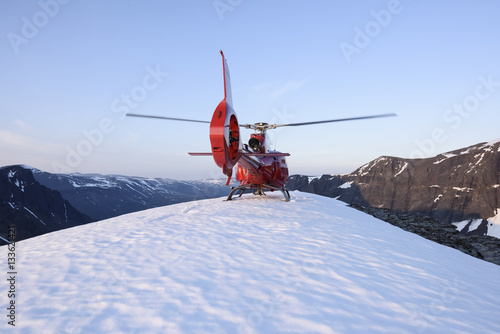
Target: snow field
x=252 y=265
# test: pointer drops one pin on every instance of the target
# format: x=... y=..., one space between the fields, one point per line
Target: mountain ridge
x=39 y=202
x=459 y=186
x=106 y=196
x=253 y=265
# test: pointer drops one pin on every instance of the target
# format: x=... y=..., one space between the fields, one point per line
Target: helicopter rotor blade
x=335 y=120
x=167 y=118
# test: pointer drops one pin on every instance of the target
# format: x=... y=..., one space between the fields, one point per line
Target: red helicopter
x=257 y=167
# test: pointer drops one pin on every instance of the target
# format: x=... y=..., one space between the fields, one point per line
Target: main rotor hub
x=260 y=127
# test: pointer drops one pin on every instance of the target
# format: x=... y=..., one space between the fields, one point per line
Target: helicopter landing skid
x=259 y=190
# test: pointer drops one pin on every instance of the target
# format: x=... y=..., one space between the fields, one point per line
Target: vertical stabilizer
x=224 y=130
x=227 y=81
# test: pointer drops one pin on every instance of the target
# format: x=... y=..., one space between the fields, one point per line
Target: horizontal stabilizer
x=273 y=154
x=200 y=154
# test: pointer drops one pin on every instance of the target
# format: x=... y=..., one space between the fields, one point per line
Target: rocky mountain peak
x=456 y=186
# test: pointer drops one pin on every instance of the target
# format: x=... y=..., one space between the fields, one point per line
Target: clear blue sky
x=70 y=69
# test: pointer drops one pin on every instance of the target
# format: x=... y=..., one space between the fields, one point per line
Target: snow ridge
x=253 y=265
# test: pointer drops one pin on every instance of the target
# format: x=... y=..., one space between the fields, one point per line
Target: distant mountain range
x=38 y=202
x=31 y=207
x=460 y=187
x=106 y=196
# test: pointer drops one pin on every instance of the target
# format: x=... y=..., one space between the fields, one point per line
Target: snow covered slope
x=253 y=265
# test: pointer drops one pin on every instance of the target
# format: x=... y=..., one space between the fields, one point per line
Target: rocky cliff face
x=31 y=207
x=452 y=187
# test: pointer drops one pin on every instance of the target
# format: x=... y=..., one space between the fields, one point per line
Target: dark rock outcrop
x=31 y=207
x=475 y=244
x=459 y=185
x=456 y=186
x=425 y=196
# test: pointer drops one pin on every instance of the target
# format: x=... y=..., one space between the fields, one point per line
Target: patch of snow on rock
x=346 y=185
